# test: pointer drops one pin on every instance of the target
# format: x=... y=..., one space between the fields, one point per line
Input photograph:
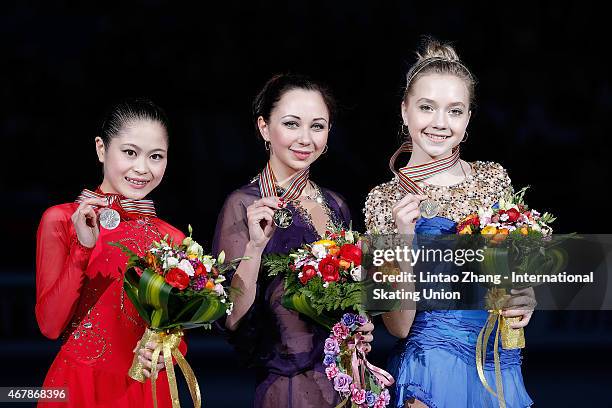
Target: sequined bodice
x=487 y=182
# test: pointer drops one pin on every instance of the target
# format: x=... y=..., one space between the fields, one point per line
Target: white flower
x=326 y=284
x=208 y=262
x=230 y=308
x=219 y=289
x=319 y=251
x=356 y=274
x=195 y=249
x=170 y=262
x=186 y=267
x=484 y=215
x=504 y=217
x=220 y=279
x=348 y=235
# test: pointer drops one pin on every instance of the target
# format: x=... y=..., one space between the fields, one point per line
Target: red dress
x=80 y=297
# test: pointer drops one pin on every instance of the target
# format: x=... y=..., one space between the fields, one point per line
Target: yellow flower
x=325 y=242
x=489 y=230
x=467 y=230
x=524 y=230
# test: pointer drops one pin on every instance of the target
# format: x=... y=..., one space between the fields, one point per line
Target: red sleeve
x=61 y=262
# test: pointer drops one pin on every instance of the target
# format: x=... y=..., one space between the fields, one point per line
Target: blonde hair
x=439 y=58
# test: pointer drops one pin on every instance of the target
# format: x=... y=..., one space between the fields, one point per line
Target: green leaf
x=155 y=292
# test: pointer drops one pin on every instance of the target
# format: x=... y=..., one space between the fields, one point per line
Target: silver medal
x=109 y=218
x=283 y=218
x=429 y=208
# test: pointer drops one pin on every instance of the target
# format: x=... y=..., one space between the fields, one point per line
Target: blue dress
x=436 y=363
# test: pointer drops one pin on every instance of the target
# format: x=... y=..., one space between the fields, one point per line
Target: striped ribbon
x=409 y=176
x=267 y=184
x=129 y=206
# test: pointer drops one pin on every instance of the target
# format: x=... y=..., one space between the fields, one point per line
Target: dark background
x=544 y=102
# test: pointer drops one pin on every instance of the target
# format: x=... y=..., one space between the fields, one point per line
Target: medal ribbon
x=267 y=184
x=408 y=176
x=126 y=206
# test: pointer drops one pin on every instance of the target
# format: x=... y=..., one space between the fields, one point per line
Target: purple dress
x=285 y=348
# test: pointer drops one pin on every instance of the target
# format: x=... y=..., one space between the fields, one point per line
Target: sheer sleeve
x=232 y=236
x=232 y=230
x=345 y=212
x=60 y=270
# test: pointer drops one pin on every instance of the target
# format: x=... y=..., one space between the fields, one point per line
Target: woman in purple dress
x=278 y=211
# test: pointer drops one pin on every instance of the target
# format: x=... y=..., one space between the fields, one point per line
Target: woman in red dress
x=79 y=276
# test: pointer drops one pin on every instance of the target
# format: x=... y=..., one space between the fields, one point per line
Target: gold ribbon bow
x=511 y=339
x=167 y=342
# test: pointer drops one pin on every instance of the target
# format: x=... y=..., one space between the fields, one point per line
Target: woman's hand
x=85 y=220
x=406 y=212
x=521 y=304
x=260 y=220
x=145 y=356
x=364 y=337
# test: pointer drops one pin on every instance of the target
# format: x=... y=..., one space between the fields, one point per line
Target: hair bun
x=432 y=48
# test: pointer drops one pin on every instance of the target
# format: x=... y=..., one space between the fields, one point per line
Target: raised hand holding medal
x=85 y=220
x=283 y=217
x=410 y=176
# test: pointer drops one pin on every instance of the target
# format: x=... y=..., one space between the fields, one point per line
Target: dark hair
x=278 y=85
x=127 y=111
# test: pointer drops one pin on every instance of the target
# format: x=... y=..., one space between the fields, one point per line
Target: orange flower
x=344 y=264
x=210 y=284
x=334 y=250
x=151 y=260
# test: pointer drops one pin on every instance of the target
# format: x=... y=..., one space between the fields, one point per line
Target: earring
x=405 y=130
x=324 y=150
x=267 y=144
x=465 y=137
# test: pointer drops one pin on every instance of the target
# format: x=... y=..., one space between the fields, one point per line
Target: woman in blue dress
x=293 y=116
x=434 y=360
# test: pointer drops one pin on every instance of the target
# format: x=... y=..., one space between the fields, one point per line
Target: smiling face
x=297 y=131
x=437 y=113
x=135 y=159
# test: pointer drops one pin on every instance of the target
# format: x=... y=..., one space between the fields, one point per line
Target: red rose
x=513 y=214
x=329 y=269
x=351 y=253
x=177 y=278
x=308 y=272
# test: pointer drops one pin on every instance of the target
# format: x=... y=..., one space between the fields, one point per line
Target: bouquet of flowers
x=323 y=281
x=515 y=238
x=175 y=287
